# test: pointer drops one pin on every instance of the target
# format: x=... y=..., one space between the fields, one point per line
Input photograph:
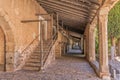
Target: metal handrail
x=54 y=36
x=30 y=43
x=50 y=47
x=21 y=60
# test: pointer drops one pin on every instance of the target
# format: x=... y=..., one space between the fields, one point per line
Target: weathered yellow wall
x=18 y=10
x=14 y=11
x=60 y=45
x=1 y=47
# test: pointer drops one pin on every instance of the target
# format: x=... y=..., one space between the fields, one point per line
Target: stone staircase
x=33 y=63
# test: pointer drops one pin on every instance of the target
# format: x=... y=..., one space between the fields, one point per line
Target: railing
x=63 y=32
x=21 y=57
x=50 y=46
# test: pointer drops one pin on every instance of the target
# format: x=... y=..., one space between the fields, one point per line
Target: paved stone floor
x=65 y=68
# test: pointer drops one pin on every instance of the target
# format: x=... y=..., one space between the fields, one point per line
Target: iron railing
x=25 y=54
x=21 y=57
x=50 y=46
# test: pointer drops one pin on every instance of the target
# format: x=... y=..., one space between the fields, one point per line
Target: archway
x=2 y=50
x=9 y=45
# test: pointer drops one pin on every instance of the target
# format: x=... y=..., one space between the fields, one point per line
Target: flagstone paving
x=64 y=68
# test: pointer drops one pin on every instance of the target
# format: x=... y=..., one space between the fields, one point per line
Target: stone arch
x=6 y=26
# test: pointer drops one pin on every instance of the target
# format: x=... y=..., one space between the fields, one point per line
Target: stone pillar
x=87 y=42
x=91 y=44
x=81 y=43
x=103 y=43
x=70 y=44
x=84 y=41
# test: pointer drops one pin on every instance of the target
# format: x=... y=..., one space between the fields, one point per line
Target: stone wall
x=2 y=45
x=60 y=45
x=19 y=34
x=22 y=10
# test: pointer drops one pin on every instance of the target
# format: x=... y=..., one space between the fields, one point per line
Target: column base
x=105 y=76
x=42 y=69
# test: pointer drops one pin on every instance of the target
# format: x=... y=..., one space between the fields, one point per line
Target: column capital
x=107 y=5
x=110 y=3
x=104 y=11
x=105 y=75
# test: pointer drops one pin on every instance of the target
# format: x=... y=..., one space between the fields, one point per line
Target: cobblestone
x=65 y=68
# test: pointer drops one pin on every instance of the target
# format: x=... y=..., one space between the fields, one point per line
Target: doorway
x=7 y=43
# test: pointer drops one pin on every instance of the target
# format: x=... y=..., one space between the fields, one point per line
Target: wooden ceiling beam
x=47 y=3
x=72 y=18
x=64 y=3
x=90 y=2
x=68 y=17
x=63 y=11
x=82 y=3
x=75 y=18
x=81 y=18
x=92 y=11
x=72 y=23
x=75 y=30
x=95 y=2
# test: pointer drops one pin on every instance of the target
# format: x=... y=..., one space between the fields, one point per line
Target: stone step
x=31 y=68
x=35 y=57
x=44 y=51
x=33 y=60
x=45 y=47
x=32 y=64
x=36 y=54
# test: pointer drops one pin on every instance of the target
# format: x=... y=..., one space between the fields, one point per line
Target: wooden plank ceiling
x=75 y=14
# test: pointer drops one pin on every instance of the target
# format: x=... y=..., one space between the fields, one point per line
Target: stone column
x=81 y=43
x=87 y=42
x=91 y=44
x=103 y=43
x=84 y=50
